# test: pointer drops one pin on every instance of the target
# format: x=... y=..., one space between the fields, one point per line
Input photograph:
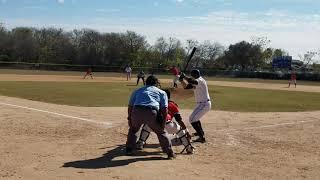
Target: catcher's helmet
x=195 y=73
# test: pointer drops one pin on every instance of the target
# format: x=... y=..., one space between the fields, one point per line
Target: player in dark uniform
x=141 y=75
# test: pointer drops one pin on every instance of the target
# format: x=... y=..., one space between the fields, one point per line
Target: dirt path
x=64 y=78
x=58 y=143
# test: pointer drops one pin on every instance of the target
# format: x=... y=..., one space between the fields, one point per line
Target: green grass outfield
x=117 y=94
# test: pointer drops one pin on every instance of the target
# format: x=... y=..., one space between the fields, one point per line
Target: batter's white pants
x=176 y=79
x=200 y=110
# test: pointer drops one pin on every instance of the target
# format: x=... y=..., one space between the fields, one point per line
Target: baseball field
x=56 y=125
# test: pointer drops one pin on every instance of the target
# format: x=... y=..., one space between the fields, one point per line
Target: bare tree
x=308 y=57
x=262 y=41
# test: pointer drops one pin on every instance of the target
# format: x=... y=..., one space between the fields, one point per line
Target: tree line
x=90 y=47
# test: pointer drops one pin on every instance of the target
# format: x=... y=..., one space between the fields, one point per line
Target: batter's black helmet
x=195 y=73
x=152 y=81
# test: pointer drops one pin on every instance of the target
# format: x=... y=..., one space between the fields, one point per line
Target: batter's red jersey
x=89 y=71
x=293 y=76
x=172 y=110
x=174 y=71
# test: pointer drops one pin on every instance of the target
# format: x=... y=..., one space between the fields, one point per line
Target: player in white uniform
x=128 y=71
x=202 y=98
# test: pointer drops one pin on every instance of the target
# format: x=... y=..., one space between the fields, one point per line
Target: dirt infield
x=69 y=78
x=47 y=141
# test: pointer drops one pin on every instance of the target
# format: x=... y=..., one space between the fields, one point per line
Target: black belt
x=204 y=101
x=146 y=107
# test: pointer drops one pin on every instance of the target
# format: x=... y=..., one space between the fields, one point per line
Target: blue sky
x=293 y=25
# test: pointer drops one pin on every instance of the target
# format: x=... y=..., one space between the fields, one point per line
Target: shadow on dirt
x=132 y=85
x=107 y=160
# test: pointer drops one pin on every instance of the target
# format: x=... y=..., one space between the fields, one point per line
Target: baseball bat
x=189 y=59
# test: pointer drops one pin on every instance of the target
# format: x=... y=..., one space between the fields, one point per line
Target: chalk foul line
x=57 y=114
x=270 y=125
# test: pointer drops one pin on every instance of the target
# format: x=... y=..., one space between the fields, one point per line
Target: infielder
x=140 y=75
x=88 y=73
x=293 y=79
x=176 y=127
x=202 y=98
x=128 y=71
x=175 y=72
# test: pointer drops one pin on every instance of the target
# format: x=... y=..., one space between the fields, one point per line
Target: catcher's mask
x=152 y=81
x=195 y=73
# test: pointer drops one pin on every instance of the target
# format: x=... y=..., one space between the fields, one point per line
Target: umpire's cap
x=195 y=73
x=152 y=81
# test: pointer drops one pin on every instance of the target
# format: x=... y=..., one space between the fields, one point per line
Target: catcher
x=176 y=127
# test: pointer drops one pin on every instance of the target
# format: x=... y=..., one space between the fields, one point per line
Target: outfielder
x=202 y=98
x=176 y=127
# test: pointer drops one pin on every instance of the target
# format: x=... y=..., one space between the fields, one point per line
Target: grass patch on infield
x=117 y=95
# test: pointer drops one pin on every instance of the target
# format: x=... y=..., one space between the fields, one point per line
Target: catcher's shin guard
x=145 y=132
x=182 y=135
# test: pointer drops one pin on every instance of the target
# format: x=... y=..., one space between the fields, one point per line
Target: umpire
x=148 y=105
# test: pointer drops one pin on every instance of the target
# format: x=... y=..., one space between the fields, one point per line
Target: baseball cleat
x=200 y=139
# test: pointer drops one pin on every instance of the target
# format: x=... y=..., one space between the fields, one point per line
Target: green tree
x=133 y=44
x=5 y=49
x=279 y=53
x=245 y=55
x=207 y=54
x=24 y=46
x=55 y=46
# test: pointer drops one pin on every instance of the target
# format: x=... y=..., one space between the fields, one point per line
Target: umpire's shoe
x=140 y=145
x=171 y=156
x=129 y=151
